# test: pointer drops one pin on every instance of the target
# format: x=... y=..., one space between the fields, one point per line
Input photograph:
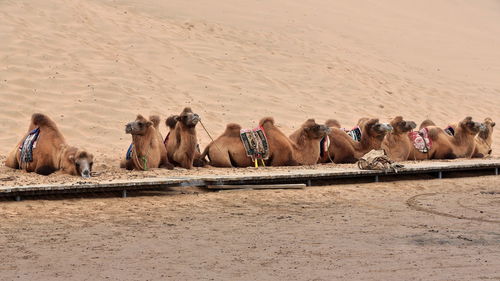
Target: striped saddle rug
x=255 y=143
x=28 y=145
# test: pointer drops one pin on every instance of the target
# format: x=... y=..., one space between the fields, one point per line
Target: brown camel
x=181 y=142
x=396 y=143
x=343 y=149
x=484 y=140
x=147 y=149
x=302 y=148
x=43 y=150
x=444 y=146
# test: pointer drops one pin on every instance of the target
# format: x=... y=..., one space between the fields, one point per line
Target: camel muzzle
x=128 y=128
x=411 y=124
x=386 y=127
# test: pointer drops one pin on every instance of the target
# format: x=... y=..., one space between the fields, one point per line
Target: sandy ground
x=94 y=64
x=342 y=232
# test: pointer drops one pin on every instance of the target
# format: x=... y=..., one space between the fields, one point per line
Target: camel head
x=77 y=162
x=470 y=126
x=314 y=130
x=373 y=128
x=187 y=118
x=401 y=126
x=488 y=128
x=139 y=126
x=332 y=123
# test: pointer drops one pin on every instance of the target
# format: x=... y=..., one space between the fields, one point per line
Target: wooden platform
x=319 y=175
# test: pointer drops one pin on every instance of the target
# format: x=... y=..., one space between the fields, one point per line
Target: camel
x=332 y=123
x=302 y=148
x=343 y=149
x=181 y=142
x=484 y=140
x=147 y=149
x=396 y=143
x=444 y=146
x=44 y=150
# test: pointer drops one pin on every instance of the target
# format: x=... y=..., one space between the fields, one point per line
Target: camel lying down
x=147 y=149
x=44 y=150
x=301 y=148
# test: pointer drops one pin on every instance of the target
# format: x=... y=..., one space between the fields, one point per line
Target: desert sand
x=342 y=232
x=93 y=65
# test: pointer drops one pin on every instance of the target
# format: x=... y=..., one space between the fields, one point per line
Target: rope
x=210 y=136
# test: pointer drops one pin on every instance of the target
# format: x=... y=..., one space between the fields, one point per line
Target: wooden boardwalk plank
x=293 y=176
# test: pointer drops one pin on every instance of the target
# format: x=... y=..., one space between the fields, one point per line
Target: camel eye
x=77 y=165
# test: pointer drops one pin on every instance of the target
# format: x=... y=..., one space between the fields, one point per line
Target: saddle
x=128 y=156
x=255 y=143
x=450 y=131
x=377 y=160
x=354 y=133
x=421 y=140
x=28 y=145
x=324 y=144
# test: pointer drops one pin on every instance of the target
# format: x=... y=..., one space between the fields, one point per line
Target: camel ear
x=493 y=124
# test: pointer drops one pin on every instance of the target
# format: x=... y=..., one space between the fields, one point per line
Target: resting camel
x=444 y=146
x=181 y=142
x=484 y=140
x=48 y=151
x=302 y=148
x=147 y=149
x=396 y=143
x=343 y=149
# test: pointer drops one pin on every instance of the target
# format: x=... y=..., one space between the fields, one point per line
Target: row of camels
x=44 y=150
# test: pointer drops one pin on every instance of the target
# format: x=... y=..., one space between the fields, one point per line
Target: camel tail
x=156 y=121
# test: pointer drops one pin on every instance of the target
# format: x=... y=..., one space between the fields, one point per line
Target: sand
x=342 y=232
x=93 y=65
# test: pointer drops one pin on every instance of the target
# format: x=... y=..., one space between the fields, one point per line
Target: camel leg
x=219 y=158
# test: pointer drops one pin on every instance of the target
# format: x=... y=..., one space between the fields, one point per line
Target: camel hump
x=266 y=120
x=232 y=130
x=155 y=119
x=332 y=123
x=171 y=121
x=39 y=120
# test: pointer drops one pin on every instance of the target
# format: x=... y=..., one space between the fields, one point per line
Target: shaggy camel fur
x=484 y=140
x=343 y=149
x=228 y=150
x=51 y=152
x=181 y=142
x=444 y=146
x=396 y=143
x=147 y=150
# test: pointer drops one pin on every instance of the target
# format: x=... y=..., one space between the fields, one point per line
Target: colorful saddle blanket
x=28 y=145
x=128 y=156
x=354 y=133
x=323 y=146
x=421 y=140
x=450 y=131
x=255 y=143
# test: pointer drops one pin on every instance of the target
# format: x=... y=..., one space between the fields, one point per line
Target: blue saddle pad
x=128 y=156
x=28 y=145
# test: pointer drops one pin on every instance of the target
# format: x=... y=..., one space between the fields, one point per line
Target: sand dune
x=92 y=65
